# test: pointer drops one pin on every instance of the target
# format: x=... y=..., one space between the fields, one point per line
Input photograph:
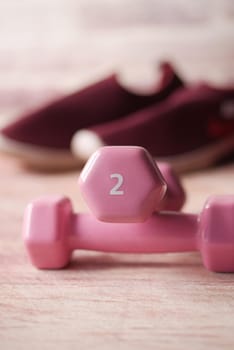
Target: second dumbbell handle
x=163 y=232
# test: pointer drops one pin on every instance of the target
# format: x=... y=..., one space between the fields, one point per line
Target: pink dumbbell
x=124 y=184
x=52 y=231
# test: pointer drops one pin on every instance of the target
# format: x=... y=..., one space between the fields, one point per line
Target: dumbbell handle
x=162 y=232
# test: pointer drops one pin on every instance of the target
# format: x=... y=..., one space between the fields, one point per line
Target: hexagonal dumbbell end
x=122 y=184
x=216 y=233
x=175 y=196
x=45 y=226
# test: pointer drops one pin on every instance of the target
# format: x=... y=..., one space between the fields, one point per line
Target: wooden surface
x=109 y=301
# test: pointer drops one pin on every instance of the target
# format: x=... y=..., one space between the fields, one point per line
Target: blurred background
x=50 y=47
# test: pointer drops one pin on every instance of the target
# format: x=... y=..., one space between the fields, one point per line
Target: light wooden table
x=109 y=301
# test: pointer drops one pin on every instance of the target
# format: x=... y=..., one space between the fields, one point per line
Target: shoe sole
x=39 y=157
x=202 y=157
x=54 y=159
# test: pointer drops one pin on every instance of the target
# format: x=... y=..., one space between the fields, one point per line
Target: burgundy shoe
x=193 y=128
x=43 y=138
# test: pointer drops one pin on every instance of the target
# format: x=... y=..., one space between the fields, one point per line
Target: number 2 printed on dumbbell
x=115 y=191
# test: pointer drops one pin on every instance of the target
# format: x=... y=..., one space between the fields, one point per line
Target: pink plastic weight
x=174 y=197
x=124 y=184
x=52 y=231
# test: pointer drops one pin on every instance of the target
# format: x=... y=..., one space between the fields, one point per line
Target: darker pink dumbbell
x=124 y=184
x=52 y=231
